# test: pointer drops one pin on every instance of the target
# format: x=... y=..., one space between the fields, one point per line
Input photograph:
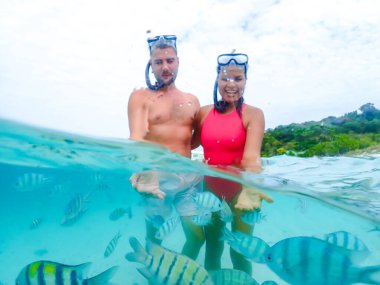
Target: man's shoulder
x=140 y=91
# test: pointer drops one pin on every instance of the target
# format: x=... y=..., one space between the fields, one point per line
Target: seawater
x=313 y=197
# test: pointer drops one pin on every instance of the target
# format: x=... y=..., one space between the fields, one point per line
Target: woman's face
x=231 y=82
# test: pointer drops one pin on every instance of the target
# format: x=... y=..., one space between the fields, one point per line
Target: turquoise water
x=42 y=171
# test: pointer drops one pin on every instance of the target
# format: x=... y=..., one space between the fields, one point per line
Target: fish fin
x=227 y=235
x=153 y=248
x=144 y=272
x=82 y=269
x=368 y=275
x=139 y=254
x=102 y=278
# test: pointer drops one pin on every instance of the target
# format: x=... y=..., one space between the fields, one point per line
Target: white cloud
x=71 y=65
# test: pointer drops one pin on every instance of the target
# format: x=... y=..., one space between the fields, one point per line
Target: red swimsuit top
x=223 y=138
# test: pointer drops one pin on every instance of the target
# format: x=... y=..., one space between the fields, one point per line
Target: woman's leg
x=238 y=260
x=214 y=244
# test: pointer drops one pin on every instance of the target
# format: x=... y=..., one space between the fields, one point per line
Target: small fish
x=269 y=282
x=96 y=178
x=31 y=182
x=40 y=252
x=57 y=190
x=202 y=219
x=252 y=247
x=156 y=220
x=166 y=267
x=375 y=229
x=252 y=217
x=233 y=277
x=117 y=214
x=112 y=245
x=35 y=223
x=53 y=273
x=225 y=213
x=129 y=212
x=310 y=261
x=167 y=227
x=75 y=208
x=208 y=201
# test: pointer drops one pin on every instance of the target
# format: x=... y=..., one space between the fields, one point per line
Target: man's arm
x=137 y=116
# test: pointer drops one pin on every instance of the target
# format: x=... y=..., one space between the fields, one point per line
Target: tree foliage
x=329 y=137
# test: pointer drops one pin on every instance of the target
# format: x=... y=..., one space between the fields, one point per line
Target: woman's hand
x=250 y=199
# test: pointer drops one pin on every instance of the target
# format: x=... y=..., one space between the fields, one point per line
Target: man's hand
x=250 y=199
x=147 y=183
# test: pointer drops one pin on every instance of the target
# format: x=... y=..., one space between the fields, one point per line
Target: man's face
x=164 y=65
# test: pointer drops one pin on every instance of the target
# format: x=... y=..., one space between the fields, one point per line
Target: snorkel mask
x=163 y=41
x=227 y=59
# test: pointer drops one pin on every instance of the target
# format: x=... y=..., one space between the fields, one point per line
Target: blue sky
x=71 y=65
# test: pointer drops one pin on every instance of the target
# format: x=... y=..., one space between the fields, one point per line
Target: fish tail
x=369 y=275
x=227 y=235
x=139 y=254
x=102 y=278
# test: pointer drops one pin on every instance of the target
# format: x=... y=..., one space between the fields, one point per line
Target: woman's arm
x=255 y=125
x=250 y=198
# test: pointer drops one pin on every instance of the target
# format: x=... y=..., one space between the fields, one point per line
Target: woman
x=231 y=133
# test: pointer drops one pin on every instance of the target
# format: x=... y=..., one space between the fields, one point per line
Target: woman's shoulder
x=205 y=110
x=252 y=112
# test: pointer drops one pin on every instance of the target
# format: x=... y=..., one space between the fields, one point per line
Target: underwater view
x=69 y=215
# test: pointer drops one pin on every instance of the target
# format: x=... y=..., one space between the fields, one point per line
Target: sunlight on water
x=67 y=199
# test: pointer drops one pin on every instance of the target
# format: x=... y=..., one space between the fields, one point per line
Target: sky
x=71 y=65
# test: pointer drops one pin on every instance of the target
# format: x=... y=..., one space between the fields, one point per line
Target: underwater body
x=68 y=213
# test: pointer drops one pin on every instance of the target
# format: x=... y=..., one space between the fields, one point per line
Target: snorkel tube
x=154 y=87
x=158 y=84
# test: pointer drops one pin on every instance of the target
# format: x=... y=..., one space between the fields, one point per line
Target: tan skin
x=165 y=117
x=231 y=83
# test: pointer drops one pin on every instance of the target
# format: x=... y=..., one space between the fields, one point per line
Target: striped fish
x=53 y=273
x=312 y=261
x=225 y=212
x=203 y=219
x=252 y=247
x=269 y=282
x=252 y=217
x=35 y=223
x=233 y=277
x=207 y=201
x=167 y=227
x=117 y=214
x=75 y=208
x=31 y=182
x=165 y=267
x=112 y=245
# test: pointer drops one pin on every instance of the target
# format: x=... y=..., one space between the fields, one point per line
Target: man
x=165 y=115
